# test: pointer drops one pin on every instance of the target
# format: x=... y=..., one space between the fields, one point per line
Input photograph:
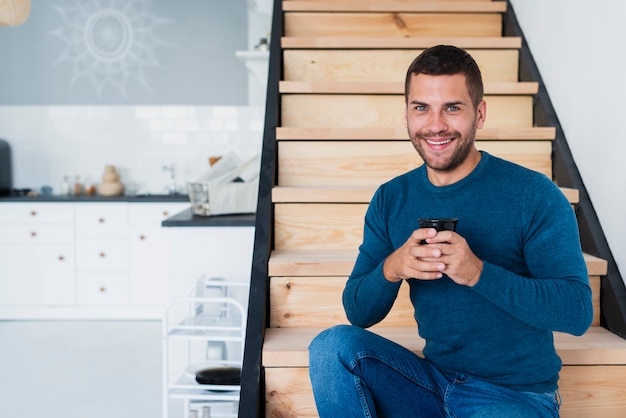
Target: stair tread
x=364 y=87
x=350 y=194
x=340 y=263
x=288 y=347
x=395 y=6
x=399 y=134
x=330 y=42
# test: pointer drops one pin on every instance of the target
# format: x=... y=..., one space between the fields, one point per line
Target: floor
x=76 y=369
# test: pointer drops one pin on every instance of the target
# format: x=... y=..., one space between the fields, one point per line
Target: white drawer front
x=101 y=220
x=102 y=289
x=101 y=255
x=154 y=213
x=36 y=213
x=36 y=234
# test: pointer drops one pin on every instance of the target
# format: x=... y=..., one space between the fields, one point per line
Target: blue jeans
x=356 y=373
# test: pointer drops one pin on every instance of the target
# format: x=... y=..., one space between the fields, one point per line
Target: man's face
x=442 y=122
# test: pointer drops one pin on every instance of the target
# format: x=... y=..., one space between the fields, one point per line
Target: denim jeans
x=356 y=373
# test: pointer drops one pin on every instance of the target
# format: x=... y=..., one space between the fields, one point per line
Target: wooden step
x=591 y=383
x=586 y=392
x=394 y=24
x=385 y=65
x=350 y=194
x=380 y=1
x=394 y=6
x=400 y=134
x=365 y=87
x=387 y=111
x=288 y=347
x=371 y=163
x=369 y=42
x=318 y=226
x=296 y=302
x=291 y=263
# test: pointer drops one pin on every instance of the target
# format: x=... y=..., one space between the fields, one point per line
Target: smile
x=444 y=142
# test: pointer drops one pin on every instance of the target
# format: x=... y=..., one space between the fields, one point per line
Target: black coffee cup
x=440 y=224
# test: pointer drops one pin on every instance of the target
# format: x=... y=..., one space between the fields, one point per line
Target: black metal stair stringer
x=252 y=400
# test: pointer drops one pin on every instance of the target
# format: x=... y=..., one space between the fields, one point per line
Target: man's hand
x=444 y=252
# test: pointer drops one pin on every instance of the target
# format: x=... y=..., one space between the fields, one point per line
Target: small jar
x=89 y=188
x=78 y=188
x=65 y=187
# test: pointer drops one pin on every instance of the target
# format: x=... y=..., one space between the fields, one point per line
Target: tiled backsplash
x=49 y=142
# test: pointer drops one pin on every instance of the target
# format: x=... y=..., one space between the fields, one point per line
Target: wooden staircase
x=339 y=134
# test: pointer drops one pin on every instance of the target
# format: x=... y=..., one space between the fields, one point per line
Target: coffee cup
x=440 y=224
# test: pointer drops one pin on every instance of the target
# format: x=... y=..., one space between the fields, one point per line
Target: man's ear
x=481 y=114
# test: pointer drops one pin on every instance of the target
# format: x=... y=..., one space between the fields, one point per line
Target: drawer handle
x=101 y=220
x=102 y=255
x=142 y=237
x=61 y=258
x=166 y=213
x=33 y=234
x=102 y=289
x=33 y=213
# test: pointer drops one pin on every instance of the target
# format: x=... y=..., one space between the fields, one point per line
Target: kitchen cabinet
x=36 y=255
x=102 y=254
x=84 y=259
x=223 y=252
x=150 y=255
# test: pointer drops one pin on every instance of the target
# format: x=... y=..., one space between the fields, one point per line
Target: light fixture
x=14 y=12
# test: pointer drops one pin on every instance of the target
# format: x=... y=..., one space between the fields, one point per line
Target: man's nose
x=437 y=122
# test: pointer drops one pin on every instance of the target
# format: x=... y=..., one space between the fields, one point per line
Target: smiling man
x=487 y=296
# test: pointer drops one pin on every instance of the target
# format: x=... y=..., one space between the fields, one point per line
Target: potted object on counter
x=111 y=185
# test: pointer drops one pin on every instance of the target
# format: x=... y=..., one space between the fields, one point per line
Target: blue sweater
x=534 y=279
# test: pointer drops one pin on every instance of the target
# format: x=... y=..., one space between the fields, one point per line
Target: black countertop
x=187 y=218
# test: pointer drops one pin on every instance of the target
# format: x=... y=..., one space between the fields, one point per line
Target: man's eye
x=452 y=108
x=420 y=108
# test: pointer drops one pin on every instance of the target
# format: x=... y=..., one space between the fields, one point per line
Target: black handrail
x=566 y=174
x=252 y=401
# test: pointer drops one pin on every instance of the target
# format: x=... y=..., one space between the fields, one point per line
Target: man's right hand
x=415 y=260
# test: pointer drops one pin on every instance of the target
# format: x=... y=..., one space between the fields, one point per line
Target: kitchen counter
x=99 y=199
x=186 y=219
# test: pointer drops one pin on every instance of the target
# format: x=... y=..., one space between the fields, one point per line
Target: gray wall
x=181 y=52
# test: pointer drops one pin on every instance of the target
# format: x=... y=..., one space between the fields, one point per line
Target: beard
x=434 y=160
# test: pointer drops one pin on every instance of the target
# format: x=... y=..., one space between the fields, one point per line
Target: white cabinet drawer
x=36 y=275
x=35 y=213
x=101 y=255
x=36 y=234
x=102 y=220
x=95 y=289
x=154 y=213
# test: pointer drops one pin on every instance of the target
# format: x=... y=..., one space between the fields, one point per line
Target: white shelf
x=257 y=63
x=186 y=387
x=210 y=320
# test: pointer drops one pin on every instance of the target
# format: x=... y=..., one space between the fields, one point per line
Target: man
x=487 y=297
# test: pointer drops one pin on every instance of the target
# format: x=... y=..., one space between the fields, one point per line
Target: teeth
x=447 y=141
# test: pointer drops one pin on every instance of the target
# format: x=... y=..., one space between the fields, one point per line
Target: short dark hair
x=447 y=60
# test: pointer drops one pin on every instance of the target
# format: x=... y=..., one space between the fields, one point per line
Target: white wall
x=579 y=47
x=49 y=142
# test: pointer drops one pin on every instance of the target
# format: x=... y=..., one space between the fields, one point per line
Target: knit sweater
x=534 y=280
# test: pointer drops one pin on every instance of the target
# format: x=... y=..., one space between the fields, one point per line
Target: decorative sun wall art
x=109 y=42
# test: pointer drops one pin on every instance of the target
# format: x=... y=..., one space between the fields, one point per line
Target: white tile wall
x=49 y=142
